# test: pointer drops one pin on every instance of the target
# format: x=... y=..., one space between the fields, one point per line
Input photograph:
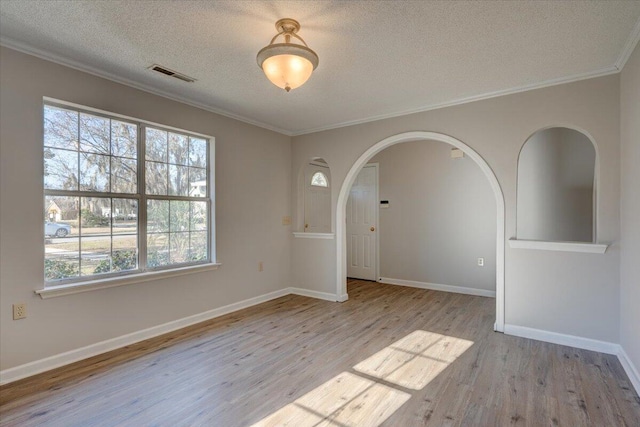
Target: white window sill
x=592 y=248
x=302 y=235
x=93 y=285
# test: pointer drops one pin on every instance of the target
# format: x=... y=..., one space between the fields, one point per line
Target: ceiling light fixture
x=287 y=65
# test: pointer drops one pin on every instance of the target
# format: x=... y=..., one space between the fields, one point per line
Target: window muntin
x=319 y=180
x=108 y=224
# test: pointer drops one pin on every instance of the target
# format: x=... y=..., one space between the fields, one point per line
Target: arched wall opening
x=341 y=241
x=594 y=191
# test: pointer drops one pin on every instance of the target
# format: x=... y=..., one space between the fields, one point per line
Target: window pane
x=179 y=252
x=61 y=261
x=156 y=178
x=96 y=216
x=156 y=145
x=198 y=152
x=60 y=169
x=178 y=180
x=60 y=128
x=124 y=255
x=198 y=246
x=178 y=149
x=198 y=216
x=61 y=246
x=61 y=216
x=319 y=180
x=197 y=182
x=94 y=172
x=124 y=178
x=124 y=139
x=94 y=134
x=96 y=255
x=157 y=249
x=179 y=216
x=157 y=216
x=126 y=216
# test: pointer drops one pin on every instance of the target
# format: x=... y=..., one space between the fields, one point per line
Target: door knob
x=372 y=229
x=306 y=226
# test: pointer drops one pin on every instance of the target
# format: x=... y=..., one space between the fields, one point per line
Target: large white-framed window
x=122 y=196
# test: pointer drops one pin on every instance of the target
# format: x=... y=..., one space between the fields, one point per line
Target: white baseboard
x=437 y=287
x=56 y=361
x=62 y=359
x=580 y=342
x=562 y=339
x=314 y=294
x=630 y=369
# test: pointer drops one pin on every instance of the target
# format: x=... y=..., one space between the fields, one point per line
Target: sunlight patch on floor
x=415 y=360
x=345 y=400
x=352 y=400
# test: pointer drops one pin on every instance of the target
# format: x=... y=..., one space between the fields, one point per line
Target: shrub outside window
x=121 y=196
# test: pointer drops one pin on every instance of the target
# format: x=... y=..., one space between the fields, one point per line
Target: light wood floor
x=390 y=356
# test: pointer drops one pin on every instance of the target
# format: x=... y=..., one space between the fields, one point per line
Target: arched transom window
x=319 y=180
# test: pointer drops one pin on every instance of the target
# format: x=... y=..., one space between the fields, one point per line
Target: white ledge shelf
x=111 y=282
x=591 y=248
x=302 y=235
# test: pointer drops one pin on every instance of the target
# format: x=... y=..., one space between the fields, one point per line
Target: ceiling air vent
x=168 y=72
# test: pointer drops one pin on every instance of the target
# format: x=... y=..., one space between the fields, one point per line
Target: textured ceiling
x=377 y=58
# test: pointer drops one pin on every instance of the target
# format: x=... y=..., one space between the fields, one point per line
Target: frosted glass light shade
x=286 y=65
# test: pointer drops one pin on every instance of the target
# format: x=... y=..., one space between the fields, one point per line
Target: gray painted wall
x=630 y=209
x=563 y=292
x=253 y=193
x=572 y=293
x=441 y=219
x=555 y=187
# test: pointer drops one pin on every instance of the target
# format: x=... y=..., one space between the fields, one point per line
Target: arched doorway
x=341 y=241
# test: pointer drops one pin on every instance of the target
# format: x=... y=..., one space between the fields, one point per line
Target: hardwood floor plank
x=389 y=356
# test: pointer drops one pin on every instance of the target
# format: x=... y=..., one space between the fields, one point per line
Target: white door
x=362 y=224
x=317 y=200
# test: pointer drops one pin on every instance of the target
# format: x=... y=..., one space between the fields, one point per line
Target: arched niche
x=556 y=193
x=314 y=187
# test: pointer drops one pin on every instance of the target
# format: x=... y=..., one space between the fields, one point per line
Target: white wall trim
x=562 y=339
x=629 y=47
x=111 y=282
x=341 y=240
x=314 y=294
x=630 y=369
x=60 y=60
x=438 y=287
x=593 y=248
x=62 y=359
x=303 y=235
x=460 y=101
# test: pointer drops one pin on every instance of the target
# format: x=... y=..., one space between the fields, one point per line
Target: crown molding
x=629 y=47
x=616 y=68
x=61 y=60
x=466 y=100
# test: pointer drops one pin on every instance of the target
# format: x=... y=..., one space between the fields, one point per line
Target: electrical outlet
x=286 y=220
x=480 y=262
x=19 y=311
x=260 y=266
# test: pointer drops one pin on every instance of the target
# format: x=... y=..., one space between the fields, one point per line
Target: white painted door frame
x=341 y=237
